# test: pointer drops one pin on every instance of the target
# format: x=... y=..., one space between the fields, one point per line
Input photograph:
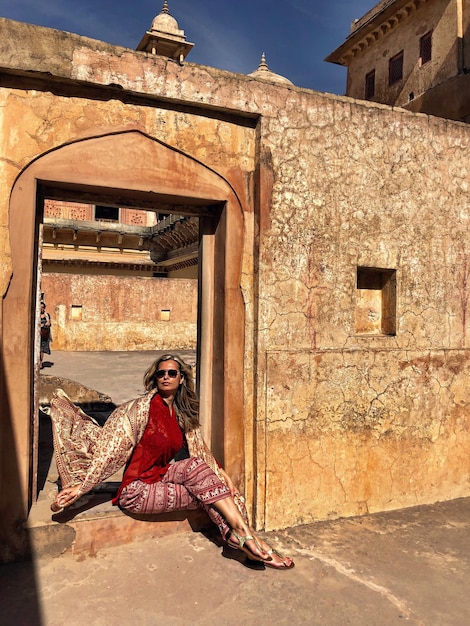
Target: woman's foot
x=277 y=560
x=249 y=545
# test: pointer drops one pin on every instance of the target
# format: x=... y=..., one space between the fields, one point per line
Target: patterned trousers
x=188 y=484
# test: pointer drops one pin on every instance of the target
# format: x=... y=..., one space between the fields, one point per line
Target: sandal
x=241 y=546
x=283 y=564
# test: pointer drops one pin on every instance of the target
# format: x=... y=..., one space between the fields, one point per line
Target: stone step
x=93 y=524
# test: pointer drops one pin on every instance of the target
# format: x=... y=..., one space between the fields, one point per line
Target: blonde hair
x=186 y=402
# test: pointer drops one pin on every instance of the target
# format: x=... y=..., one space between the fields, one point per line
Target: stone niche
x=376 y=301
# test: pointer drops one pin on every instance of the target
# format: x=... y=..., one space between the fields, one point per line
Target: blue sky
x=296 y=35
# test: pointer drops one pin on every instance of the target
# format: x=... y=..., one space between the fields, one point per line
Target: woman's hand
x=68 y=496
x=233 y=490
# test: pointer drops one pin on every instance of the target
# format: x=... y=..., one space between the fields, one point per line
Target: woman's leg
x=172 y=493
x=190 y=484
x=187 y=485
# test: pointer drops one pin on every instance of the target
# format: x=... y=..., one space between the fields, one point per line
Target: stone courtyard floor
x=404 y=567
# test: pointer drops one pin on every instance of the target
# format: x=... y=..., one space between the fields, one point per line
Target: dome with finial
x=166 y=23
x=265 y=73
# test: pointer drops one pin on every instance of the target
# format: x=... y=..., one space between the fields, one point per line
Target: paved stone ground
x=116 y=374
x=406 y=567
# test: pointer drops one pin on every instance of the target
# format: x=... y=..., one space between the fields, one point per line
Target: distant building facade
x=413 y=54
x=147 y=260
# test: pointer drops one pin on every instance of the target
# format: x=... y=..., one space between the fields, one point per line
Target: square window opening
x=165 y=315
x=376 y=301
x=106 y=213
x=77 y=312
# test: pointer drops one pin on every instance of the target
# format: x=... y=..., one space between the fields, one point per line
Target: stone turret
x=165 y=38
x=265 y=73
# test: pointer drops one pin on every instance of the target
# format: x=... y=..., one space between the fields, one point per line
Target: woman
x=45 y=331
x=169 y=467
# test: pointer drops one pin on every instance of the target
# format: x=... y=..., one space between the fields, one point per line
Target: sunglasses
x=171 y=373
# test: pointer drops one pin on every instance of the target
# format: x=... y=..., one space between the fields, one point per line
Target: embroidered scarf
x=87 y=453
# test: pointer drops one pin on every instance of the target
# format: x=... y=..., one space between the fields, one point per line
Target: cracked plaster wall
x=126 y=316
x=355 y=423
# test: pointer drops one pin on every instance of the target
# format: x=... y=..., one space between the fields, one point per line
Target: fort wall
x=352 y=278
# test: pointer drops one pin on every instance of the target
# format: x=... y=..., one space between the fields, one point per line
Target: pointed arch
x=130 y=165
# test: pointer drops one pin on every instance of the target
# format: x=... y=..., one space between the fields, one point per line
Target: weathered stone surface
x=332 y=421
x=77 y=392
x=51 y=540
x=346 y=429
x=112 y=310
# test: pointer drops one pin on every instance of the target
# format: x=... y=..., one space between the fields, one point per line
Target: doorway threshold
x=93 y=523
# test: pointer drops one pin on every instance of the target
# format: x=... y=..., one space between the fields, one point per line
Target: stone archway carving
x=134 y=163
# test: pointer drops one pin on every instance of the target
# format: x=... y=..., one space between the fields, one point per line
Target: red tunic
x=161 y=440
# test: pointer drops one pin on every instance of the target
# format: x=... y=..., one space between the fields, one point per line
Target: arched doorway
x=131 y=167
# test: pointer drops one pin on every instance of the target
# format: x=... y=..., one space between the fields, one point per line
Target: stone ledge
x=87 y=535
x=93 y=523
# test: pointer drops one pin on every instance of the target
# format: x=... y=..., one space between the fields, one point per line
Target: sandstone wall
x=99 y=313
x=336 y=421
x=356 y=422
